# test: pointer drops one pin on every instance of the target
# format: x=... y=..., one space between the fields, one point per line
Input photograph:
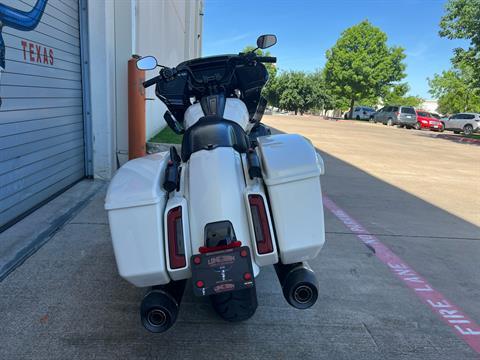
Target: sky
x=307 y=28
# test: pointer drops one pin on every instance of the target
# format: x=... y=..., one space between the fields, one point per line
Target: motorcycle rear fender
x=215 y=191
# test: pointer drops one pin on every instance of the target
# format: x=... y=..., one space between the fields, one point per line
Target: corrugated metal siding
x=41 y=121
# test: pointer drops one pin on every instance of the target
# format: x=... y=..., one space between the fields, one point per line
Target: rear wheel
x=468 y=129
x=235 y=305
x=357 y=118
x=390 y=122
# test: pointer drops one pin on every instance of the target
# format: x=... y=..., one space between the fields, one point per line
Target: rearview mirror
x=266 y=41
x=147 y=63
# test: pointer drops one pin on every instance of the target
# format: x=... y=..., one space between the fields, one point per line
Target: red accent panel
x=204 y=249
x=177 y=260
x=264 y=246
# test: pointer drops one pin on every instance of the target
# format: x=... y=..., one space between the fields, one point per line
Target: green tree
x=320 y=95
x=271 y=91
x=361 y=65
x=397 y=94
x=298 y=91
x=462 y=21
x=454 y=93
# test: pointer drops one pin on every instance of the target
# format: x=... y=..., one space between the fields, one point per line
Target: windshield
x=248 y=79
x=408 y=110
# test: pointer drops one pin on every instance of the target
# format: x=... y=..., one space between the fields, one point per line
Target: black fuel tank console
x=213 y=105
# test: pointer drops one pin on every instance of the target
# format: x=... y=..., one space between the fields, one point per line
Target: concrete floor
x=67 y=301
x=439 y=171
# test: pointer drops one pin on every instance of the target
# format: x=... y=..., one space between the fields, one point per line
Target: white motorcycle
x=236 y=199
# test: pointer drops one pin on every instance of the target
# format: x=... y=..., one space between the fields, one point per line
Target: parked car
x=396 y=115
x=427 y=120
x=467 y=123
x=362 y=112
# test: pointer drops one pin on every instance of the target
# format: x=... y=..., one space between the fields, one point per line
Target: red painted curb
x=449 y=313
x=459 y=139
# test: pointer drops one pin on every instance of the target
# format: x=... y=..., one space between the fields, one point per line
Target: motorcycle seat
x=210 y=132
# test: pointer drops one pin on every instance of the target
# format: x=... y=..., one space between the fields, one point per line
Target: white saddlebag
x=135 y=204
x=291 y=170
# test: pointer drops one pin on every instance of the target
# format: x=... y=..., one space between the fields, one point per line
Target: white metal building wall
x=41 y=120
x=169 y=29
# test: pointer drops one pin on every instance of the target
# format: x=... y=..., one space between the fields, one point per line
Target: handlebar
x=168 y=73
x=152 y=81
x=266 y=59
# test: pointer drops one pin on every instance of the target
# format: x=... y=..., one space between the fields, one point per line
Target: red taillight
x=176 y=249
x=263 y=237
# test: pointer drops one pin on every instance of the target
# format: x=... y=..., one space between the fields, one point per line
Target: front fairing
x=249 y=79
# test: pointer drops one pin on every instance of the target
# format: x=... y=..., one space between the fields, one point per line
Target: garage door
x=41 y=121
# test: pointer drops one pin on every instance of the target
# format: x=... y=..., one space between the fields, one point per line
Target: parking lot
x=412 y=196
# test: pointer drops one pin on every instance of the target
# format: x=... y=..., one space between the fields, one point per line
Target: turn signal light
x=263 y=237
x=176 y=248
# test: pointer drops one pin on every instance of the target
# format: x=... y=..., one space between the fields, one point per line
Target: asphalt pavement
x=67 y=300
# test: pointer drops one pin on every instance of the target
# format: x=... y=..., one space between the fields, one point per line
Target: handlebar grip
x=152 y=81
x=267 y=59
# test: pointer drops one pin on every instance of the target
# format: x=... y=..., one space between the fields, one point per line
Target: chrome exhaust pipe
x=299 y=284
x=160 y=306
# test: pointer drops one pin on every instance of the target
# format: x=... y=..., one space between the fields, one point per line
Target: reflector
x=263 y=239
x=176 y=250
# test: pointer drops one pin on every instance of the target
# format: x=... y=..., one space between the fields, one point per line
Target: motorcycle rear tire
x=236 y=305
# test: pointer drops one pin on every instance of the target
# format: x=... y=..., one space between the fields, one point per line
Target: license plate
x=409 y=116
x=435 y=126
x=222 y=271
